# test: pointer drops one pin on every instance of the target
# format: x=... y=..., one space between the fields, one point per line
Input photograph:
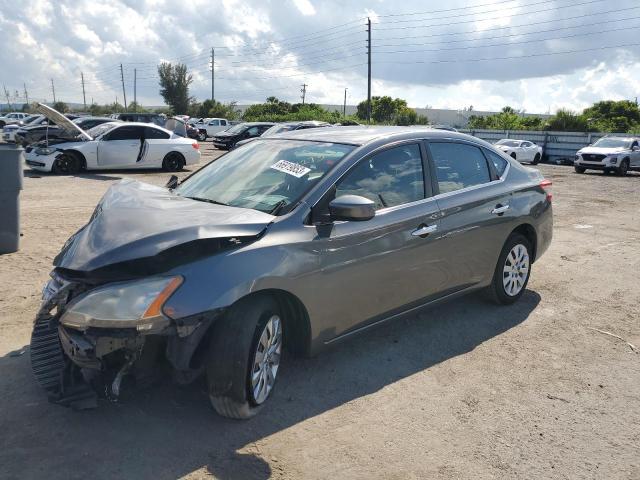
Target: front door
x=475 y=208
x=373 y=268
x=121 y=147
x=635 y=155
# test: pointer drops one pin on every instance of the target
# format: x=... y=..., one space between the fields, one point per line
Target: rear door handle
x=500 y=209
x=424 y=230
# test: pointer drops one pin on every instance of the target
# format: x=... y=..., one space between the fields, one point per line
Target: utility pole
x=53 y=90
x=6 y=94
x=304 y=91
x=26 y=94
x=344 y=105
x=213 y=69
x=135 y=93
x=368 y=69
x=124 y=93
x=84 y=96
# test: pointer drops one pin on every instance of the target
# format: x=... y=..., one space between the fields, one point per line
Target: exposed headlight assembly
x=45 y=150
x=613 y=158
x=136 y=304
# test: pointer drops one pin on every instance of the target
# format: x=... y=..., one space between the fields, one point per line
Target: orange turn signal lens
x=155 y=309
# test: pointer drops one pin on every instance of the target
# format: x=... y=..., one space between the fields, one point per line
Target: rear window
x=155 y=133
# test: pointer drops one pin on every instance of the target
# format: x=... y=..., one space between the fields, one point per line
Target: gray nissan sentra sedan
x=290 y=242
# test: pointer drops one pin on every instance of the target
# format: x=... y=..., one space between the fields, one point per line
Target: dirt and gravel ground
x=465 y=390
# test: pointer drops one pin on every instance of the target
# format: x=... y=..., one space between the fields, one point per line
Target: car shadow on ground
x=112 y=174
x=167 y=432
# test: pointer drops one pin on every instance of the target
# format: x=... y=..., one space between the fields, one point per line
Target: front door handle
x=500 y=209
x=424 y=230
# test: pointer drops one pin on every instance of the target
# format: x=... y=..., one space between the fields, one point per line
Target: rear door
x=121 y=147
x=474 y=204
x=155 y=147
x=373 y=268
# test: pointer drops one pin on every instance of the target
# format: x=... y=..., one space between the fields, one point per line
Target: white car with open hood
x=111 y=146
x=520 y=150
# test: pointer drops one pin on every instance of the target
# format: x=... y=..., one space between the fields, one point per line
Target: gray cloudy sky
x=444 y=54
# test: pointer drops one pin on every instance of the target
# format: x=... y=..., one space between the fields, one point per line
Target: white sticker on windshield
x=290 y=168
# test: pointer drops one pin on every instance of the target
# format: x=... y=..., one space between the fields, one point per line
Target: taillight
x=196 y=145
x=546 y=186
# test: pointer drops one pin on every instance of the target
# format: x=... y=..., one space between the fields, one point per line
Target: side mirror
x=172 y=183
x=352 y=208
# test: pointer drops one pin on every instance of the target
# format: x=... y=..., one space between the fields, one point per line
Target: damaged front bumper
x=76 y=367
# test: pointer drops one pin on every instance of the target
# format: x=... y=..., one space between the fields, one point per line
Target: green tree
x=174 y=86
x=566 y=120
x=387 y=110
x=61 y=107
x=612 y=116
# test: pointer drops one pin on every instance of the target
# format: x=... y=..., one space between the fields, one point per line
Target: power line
x=514 y=56
x=510 y=26
x=511 y=35
x=466 y=13
x=476 y=20
x=508 y=43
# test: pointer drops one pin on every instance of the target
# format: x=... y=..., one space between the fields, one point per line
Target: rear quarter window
x=498 y=162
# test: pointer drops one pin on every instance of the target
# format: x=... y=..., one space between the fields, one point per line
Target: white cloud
x=305 y=7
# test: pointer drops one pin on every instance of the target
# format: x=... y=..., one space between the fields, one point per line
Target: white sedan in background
x=112 y=146
x=521 y=150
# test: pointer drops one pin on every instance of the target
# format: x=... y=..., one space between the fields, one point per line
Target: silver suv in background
x=609 y=154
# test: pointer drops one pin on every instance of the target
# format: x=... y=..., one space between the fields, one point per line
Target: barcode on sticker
x=290 y=168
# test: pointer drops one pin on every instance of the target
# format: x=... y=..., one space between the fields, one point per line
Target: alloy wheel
x=266 y=360
x=515 y=270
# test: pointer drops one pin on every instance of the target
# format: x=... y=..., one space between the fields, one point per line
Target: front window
x=390 y=178
x=264 y=175
x=611 y=142
x=508 y=143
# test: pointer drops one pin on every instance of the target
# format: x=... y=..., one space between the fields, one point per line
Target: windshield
x=277 y=129
x=236 y=128
x=508 y=143
x=30 y=119
x=613 y=143
x=265 y=175
x=101 y=129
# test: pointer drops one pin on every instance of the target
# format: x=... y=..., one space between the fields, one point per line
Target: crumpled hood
x=136 y=220
x=602 y=150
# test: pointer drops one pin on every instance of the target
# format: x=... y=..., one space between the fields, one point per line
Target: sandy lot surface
x=464 y=390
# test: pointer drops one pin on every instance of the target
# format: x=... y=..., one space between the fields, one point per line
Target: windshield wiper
x=277 y=207
x=207 y=200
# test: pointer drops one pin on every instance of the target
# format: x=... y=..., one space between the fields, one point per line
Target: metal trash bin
x=11 y=165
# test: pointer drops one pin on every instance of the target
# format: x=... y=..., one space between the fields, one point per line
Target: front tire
x=512 y=271
x=66 y=164
x=536 y=159
x=513 y=155
x=623 y=168
x=579 y=169
x=202 y=136
x=244 y=357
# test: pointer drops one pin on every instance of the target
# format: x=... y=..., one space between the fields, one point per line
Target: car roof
x=361 y=135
